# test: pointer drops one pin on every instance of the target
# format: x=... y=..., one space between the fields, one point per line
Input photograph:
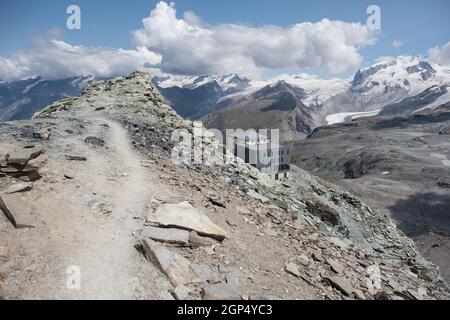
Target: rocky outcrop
x=397 y=164
x=241 y=235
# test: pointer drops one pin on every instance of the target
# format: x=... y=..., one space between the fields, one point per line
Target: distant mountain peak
x=413 y=74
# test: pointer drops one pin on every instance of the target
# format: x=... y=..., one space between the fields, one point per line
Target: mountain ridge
x=109 y=166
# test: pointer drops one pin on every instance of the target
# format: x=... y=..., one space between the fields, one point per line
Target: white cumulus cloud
x=55 y=58
x=188 y=46
x=440 y=55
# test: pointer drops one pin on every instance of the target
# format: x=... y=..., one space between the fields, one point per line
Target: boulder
x=16 y=210
x=175 y=267
x=185 y=216
x=168 y=235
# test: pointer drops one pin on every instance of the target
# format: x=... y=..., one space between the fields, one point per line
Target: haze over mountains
x=295 y=104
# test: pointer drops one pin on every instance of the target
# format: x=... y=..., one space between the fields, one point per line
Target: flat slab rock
x=341 y=283
x=255 y=195
x=16 y=211
x=175 y=267
x=183 y=215
x=2 y=292
x=168 y=235
x=181 y=292
x=221 y=291
x=21 y=156
x=197 y=241
x=19 y=187
x=292 y=268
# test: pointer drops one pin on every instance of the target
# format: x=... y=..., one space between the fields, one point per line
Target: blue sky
x=419 y=25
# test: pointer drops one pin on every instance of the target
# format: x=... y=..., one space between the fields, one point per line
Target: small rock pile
x=22 y=162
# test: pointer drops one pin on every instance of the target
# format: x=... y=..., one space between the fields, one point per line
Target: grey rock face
x=411 y=104
x=277 y=106
x=397 y=165
x=362 y=75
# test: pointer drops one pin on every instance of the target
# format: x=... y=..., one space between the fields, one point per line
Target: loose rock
x=175 y=267
x=197 y=241
x=336 y=266
x=292 y=268
x=168 y=235
x=185 y=216
x=206 y=274
x=257 y=196
x=16 y=211
x=341 y=283
x=76 y=158
x=221 y=291
x=19 y=187
x=181 y=292
x=217 y=201
x=20 y=156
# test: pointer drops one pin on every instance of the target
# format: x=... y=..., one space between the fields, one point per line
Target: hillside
x=398 y=165
x=91 y=184
x=275 y=106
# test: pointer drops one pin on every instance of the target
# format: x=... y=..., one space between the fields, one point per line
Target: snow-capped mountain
x=21 y=99
x=389 y=81
x=195 y=96
x=227 y=83
x=399 y=85
x=404 y=84
x=409 y=73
